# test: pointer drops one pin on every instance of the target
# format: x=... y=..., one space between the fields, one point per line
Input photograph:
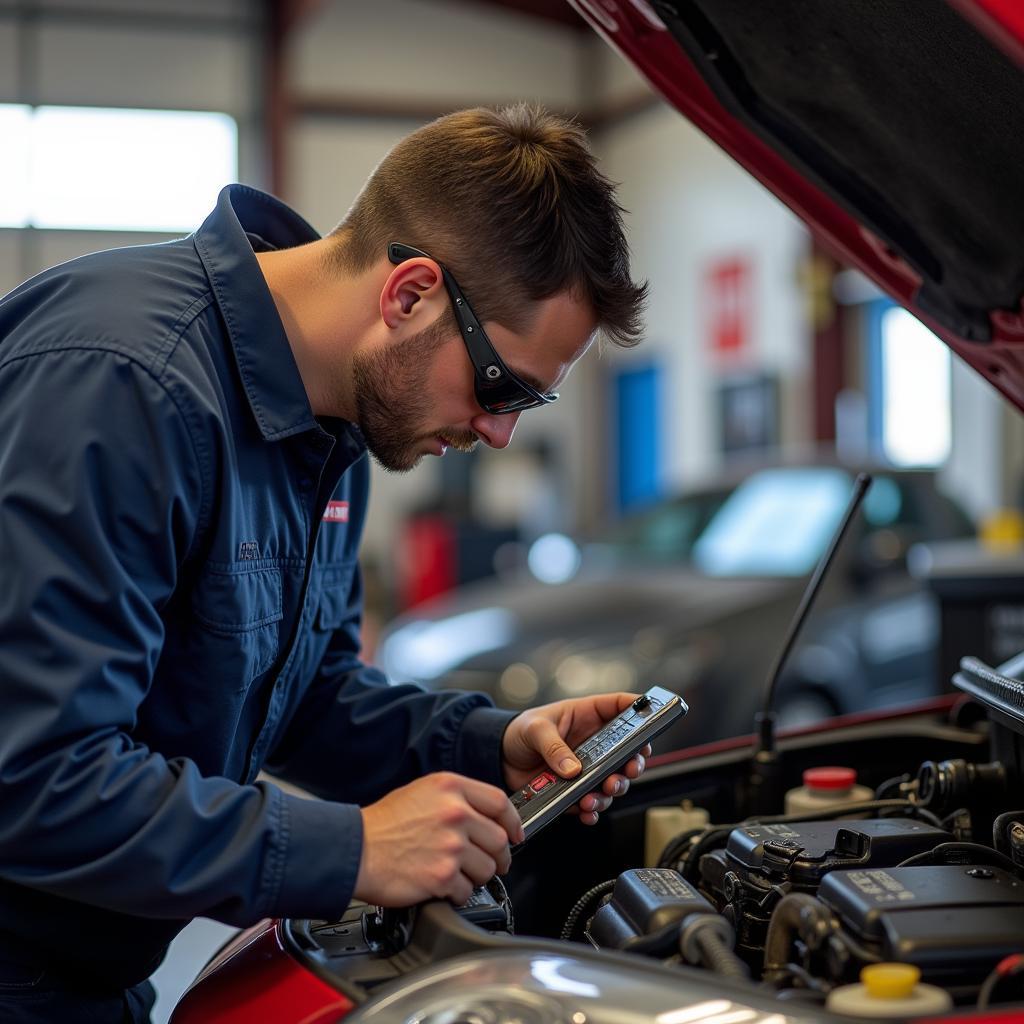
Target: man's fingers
x=461 y=890
x=493 y=804
x=478 y=866
x=491 y=838
x=595 y=802
x=618 y=784
x=635 y=768
x=615 y=785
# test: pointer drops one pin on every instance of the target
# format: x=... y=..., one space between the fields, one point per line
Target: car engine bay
x=786 y=908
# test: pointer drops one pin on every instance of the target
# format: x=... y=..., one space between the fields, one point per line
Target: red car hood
x=893 y=128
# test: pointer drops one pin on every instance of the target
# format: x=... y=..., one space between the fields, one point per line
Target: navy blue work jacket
x=180 y=607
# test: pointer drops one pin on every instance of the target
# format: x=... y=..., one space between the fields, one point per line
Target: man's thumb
x=563 y=760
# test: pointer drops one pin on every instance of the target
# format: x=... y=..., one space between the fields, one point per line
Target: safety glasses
x=498 y=389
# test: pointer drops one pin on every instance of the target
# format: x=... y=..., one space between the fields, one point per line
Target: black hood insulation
x=901 y=111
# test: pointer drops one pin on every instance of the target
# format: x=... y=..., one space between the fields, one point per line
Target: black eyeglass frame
x=499 y=390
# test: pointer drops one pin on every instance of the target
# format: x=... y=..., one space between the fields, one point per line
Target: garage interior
x=762 y=351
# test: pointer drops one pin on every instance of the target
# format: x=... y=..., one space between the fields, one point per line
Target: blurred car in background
x=663 y=532
x=696 y=594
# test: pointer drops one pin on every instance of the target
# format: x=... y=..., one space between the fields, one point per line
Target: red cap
x=832 y=777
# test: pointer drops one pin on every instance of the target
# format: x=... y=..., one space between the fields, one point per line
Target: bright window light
x=129 y=170
x=15 y=122
x=113 y=170
x=916 y=418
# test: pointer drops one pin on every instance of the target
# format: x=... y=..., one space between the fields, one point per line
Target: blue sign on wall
x=638 y=436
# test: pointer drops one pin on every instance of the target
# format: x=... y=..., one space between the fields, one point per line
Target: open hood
x=893 y=128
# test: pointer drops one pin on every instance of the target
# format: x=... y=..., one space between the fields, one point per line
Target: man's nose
x=495 y=431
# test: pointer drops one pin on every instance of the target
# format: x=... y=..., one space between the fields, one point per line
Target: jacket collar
x=264 y=356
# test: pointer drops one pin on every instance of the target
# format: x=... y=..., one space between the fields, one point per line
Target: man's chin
x=395 y=458
x=400 y=464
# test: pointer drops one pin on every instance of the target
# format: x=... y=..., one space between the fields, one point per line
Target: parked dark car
x=703 y=615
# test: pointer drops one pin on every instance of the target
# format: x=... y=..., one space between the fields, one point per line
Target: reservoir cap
x=832 y=777
x=890 y=981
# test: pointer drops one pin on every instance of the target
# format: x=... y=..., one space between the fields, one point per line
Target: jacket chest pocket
x=238 y=613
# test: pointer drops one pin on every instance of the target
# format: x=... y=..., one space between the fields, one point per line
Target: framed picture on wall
x=748 y=413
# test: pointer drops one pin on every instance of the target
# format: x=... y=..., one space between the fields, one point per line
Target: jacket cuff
x=321 y=845
x=478 y=747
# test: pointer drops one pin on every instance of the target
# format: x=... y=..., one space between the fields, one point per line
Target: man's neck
x=325 y=314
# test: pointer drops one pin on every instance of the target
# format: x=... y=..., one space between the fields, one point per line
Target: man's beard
x=392 y=402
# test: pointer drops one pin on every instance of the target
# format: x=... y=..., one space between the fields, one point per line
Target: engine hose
x=795 y=915
x=893 y=785
x=716 y=956
x=961 y=853
x=677 y=845
x=1000 y=840
x=581 y=904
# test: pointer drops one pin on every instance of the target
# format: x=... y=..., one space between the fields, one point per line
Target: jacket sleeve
x=101 y=499
x=392 y=733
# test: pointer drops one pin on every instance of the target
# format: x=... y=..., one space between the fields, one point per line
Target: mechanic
x=184 y=431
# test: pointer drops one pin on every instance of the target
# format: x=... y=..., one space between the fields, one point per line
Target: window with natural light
x=916 y=415
x=15 y=127
x=113 y=169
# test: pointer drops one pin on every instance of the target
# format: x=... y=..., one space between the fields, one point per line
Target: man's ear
x=410 y=288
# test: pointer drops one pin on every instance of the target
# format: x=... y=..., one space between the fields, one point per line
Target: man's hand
x=440 y=836
x=545 y=737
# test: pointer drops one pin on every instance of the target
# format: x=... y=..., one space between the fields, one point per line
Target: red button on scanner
x=541 y=781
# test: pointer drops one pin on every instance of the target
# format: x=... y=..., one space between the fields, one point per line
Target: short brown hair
x=511 y=201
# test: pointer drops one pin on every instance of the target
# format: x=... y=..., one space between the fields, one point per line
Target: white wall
x=450 y=53
x=179 y=68
x=689 y=206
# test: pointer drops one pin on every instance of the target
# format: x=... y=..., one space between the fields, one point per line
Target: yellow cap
x=890 y=981
x=1002 y=529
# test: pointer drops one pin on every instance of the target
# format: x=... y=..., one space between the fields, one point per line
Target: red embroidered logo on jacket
x=336 y=512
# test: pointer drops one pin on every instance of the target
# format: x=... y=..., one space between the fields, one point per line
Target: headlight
x=426 y=650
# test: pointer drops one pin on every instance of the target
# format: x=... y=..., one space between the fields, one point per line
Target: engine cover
x=953 y=922
x=761 y=863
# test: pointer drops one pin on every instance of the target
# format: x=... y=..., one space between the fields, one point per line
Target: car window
x=776 y=523
x=667 y=531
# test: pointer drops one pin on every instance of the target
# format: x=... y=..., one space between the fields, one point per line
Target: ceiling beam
x=283 y=17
